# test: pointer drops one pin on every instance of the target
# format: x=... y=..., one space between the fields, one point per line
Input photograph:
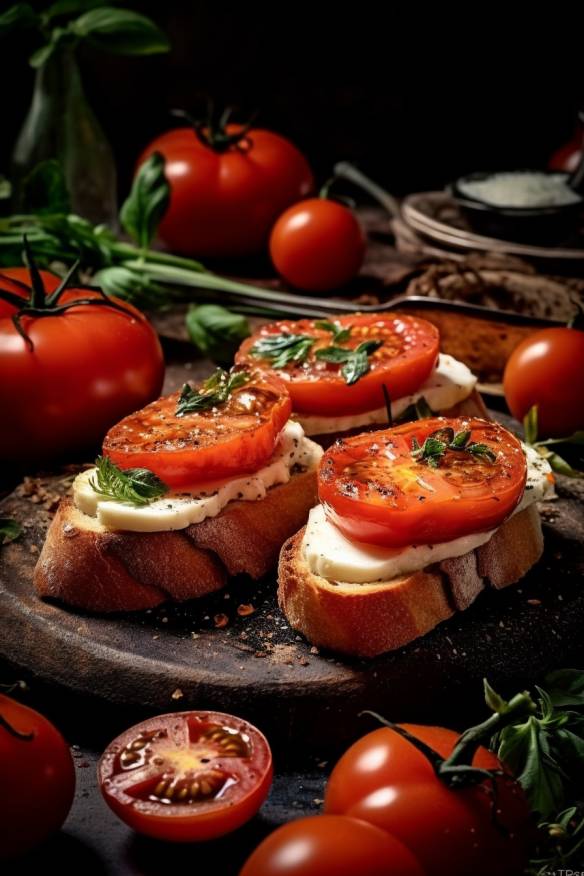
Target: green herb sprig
x=216 y=331
x=339 y=333
x=10 y=530
x=215 y=392
x=557 y=462
x=436 y=445
x=283 y=348
x=355 y=362
x=133 y=486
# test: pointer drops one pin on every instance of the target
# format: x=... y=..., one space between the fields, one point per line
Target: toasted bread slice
x=88 y=566
x=368 y=619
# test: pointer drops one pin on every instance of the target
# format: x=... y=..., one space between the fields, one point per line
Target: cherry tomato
x=224 y=201
x=385 y=780
x=329 y=845
x=81 y=370
x=233 y=438
x=317 y=245
x=407 y=353
x=37 y=778
x=546 y=370
x=375 y=489
x=187 y=776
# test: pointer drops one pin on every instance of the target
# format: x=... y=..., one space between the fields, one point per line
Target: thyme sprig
x=214 y=392
x=133 y=486
x=436 y=445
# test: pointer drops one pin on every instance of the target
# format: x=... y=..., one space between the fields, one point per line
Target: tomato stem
x=212 y=132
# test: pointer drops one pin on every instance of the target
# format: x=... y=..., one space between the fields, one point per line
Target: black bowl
x=542 y=225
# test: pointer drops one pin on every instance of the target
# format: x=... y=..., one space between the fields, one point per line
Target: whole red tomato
x=547 y=370
x=317 y=245
x=37 y=778
x=226 y=193
x=75 y=372
x=330 y=845
x=479 y=828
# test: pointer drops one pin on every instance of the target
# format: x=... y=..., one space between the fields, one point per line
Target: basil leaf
x=530 y=425
x=460 y=441
x=20 y=15
x=482 y=450
x=566 y=687
x=214 y=392
x=358 y=364
x=147 y=202
x=71 y=7
x=216 y=331
x=339 y=333
x=131 y=286
x=525 y=749
x=120 y=31
x=283 y=348
x=45 y=189
x=133 y=486
x=10 y=530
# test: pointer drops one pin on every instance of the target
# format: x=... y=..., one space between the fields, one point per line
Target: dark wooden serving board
x=175 y=657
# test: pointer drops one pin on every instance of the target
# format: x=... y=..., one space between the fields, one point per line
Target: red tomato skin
x=37 y=779
x=329 y=845
x=385 y=780
x=317 y=245
x=546 y=369
x=89 y=367
x=223 y=205
x=185 y=824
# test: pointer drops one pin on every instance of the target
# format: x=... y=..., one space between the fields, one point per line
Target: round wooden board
x=174 y=657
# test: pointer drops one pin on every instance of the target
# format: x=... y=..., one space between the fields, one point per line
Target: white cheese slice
x=333 y=556
x=178 y=510
x=449 y=383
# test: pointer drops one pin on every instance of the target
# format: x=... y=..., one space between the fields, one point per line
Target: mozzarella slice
x=449 y=383
x=178 y=510
x=333 y=556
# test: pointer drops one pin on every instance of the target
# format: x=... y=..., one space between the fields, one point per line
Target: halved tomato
x=424 y=482
x=231 y=438
x=407 y=352
x=187 y=776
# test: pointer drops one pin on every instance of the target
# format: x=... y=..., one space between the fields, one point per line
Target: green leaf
x=339 y=333
x=133 y=486
x=460 y=440
x=42 y=55
x=5 y=189
x=120 y=31
x=525 y=749
x=71 y=7
x=45 y=189
x=358 y=365
x=481 y=450
x=494 y=701
x=559 y=464
x=10 y=530
x=530 y=425
x=214 y=392
x=576 y=438
x=216 y=331
x=565 y=687
x=283 y=348
x=334 y=355
x=132 y=286
x=147 y=202
x=21 y=15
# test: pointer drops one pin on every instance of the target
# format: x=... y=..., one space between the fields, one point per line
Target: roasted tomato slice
x=187 y=776
x=404 y=360
x=234 y=437
x=425 y=482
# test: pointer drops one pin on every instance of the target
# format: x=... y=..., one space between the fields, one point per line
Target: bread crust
x=90 y=567
x=366 y=620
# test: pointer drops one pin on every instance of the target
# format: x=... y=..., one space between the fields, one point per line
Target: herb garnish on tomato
x=134 y=486
x=435 y=446
x=215 y=391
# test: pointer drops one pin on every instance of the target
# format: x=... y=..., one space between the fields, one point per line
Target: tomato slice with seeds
x=187 y=776
x=408 y=352
x=233 y=438
x=377 y=488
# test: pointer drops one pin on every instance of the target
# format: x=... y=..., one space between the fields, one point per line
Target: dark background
x=415 y=98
